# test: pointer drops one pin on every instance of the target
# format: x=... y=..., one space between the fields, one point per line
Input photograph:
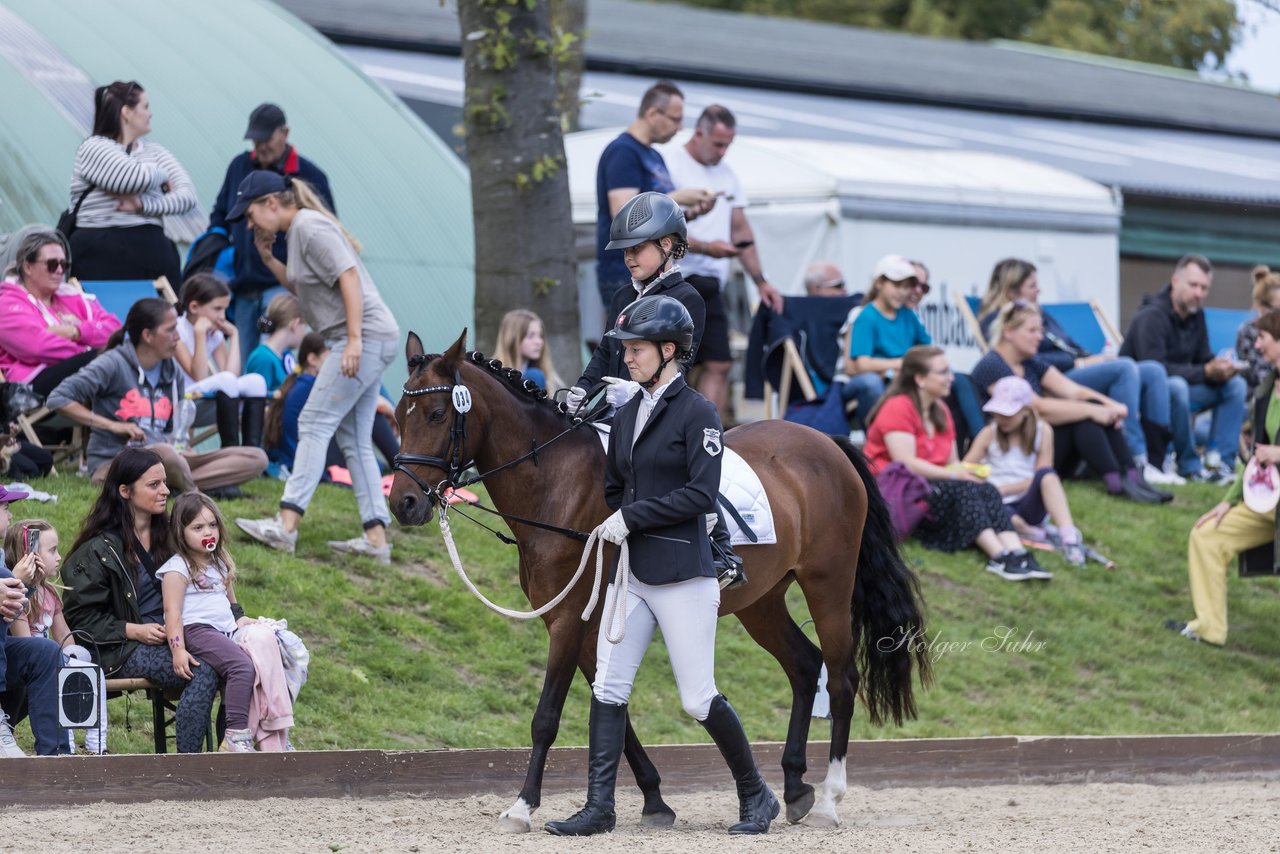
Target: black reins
x=455 y=460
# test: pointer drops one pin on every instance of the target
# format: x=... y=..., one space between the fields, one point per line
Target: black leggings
x=114 y=254
x=194 y=707
x=1102 y=448
x=48 y=379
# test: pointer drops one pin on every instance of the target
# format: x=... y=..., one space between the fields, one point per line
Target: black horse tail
x=888 y=610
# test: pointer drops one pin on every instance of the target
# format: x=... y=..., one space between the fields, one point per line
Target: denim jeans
x=1227 y=401
x=344 y=407
x=1141 y=386
x=245 y=311
x=29 y=684
x=866 y=389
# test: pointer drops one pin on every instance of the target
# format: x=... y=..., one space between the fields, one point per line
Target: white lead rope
x=593 y=541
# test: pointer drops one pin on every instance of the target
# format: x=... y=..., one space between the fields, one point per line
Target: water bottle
x=183 y=419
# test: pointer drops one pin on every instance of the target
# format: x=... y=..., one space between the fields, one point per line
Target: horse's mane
x=511 y=379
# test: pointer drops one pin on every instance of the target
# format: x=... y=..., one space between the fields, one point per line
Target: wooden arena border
x=463 y=773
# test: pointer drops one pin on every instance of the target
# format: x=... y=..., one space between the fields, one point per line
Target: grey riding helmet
x=656 y=319
x=648 y=216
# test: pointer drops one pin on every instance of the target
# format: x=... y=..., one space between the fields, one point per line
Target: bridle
x=456 y=460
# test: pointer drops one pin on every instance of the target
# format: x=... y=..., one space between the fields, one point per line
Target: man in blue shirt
x=628 y=167
x=254 y=285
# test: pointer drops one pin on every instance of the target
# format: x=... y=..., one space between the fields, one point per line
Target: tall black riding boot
x=728 y=565
x=608 y=729
x=757 y=805
x=228 y=411
x=252 y=413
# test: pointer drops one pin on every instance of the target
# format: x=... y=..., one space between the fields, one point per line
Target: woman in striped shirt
x=123 y=185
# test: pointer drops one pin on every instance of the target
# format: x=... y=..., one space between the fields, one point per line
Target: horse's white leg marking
x=517 y=818
x=823 y=813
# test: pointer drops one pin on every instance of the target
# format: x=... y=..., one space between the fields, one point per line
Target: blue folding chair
x=118 y=296
x=1085 y=323
x=1223 y=324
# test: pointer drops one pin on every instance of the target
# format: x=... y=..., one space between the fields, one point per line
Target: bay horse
x=832 y=527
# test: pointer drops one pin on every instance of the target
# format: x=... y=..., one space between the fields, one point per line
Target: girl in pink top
x=48 y=329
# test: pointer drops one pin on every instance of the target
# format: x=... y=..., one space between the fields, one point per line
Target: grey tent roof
x=760 y=52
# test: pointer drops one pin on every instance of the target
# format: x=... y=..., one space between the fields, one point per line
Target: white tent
x=957 y=211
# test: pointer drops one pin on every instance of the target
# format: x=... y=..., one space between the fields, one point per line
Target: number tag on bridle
x=462 y=399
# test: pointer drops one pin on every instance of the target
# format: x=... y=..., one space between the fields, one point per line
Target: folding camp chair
x=1086 y=323
x=118 y=296
x=1223 y=324
x=968 y=306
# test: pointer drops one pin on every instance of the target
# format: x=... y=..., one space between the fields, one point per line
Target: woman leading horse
x=832 y=527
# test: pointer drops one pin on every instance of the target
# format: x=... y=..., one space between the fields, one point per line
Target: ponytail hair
x=299 y=194
x=146 y=313
x=273 y=424
x=108 y=101
x=282 y=311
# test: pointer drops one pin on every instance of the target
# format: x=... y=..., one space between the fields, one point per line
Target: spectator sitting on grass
x=283 y=326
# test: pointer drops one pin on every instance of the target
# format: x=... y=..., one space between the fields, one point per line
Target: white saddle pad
x=742 y=487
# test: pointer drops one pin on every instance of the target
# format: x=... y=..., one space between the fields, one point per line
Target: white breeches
x=686 y=612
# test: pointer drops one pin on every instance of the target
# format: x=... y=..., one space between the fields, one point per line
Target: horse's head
x=440 y=426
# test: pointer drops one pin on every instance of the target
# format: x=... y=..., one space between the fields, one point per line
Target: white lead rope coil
x=594 y=541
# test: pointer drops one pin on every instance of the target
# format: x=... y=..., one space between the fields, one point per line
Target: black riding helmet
x=657 y=319
x=650 y=216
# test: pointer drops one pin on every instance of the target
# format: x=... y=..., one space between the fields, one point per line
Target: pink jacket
x=271 y=706
x=27 y=346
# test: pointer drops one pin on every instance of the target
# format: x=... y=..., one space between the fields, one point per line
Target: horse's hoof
x=517 y=819
x=799 y=808
x=820 y=819
x=513 y=824
x=659 y=818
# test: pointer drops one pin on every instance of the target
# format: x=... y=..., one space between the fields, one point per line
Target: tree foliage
x=1188 y=34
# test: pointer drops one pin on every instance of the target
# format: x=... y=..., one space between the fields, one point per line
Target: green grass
x=405 y=657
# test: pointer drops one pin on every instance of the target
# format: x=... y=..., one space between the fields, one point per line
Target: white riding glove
x=614 y=529
x=712 y=519
x=575 y=397
x=619 y=391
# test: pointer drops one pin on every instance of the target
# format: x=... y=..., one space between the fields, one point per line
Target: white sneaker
x=361 y=546
x=1151 y=474
x=269 y=532
x=9 y=748
x=237 y=741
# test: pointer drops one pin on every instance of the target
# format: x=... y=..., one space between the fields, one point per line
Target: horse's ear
x=455 y=353
x=412 y=348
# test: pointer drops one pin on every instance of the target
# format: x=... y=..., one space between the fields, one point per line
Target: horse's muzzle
x=413 y=508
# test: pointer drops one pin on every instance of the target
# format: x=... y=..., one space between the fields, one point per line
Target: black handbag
x=16 y=399
x=67 y=219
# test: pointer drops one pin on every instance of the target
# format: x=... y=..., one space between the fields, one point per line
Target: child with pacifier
x=198 y=584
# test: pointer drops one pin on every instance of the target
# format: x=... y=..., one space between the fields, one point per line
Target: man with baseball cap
x=254 y=286
x=28 y=666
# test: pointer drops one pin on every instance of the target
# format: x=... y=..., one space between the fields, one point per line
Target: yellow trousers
x=1210 y=554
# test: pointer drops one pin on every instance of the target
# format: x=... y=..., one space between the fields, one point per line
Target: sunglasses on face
x=54 y=264
x=923 y=288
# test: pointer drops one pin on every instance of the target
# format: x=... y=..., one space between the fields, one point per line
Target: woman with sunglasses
x=1143 y=387
x=1089 y=426
x=121 y=187
x=51 y=329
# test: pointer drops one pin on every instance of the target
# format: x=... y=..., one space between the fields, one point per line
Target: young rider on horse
x=662 y=477
x=650 y=230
